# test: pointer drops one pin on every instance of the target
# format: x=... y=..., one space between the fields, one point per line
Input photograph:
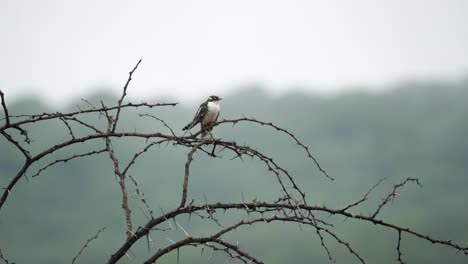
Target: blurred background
x=375 y=88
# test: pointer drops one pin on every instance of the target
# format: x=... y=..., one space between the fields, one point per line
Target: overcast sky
x=58 y=49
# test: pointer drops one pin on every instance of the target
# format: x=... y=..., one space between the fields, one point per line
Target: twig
x=306 y=148
x=25 y=152
x=94 y=152
x=124 y=93
x=364 y=198
x=400 y=260
x=142 y=196
x=5 y=109
x=86 y=244
x=393 y=194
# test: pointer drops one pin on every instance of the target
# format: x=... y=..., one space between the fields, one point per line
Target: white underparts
x=212 y=114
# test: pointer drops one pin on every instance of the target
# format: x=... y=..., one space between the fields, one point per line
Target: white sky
x=57 y=49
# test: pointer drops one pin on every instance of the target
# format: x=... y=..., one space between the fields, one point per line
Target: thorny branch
x=270 y=124
x=400 y=260
x=289 y=206
x=86 y=244
x=120 y=176
x=187 y=173
x=365 y=197
x=119 y=103
x=5 y=109
x=65 y=160
x=394 y=193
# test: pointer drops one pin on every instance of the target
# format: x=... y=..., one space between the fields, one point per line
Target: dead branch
x=120 y=176
x=393 y=194
x=270 y=124
x=86 y=244
x=124 y=93
x=5 y=109
x=187 y=173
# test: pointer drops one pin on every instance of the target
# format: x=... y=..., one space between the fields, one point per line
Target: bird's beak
x=219 y=99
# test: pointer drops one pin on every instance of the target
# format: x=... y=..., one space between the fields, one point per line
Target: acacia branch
x=393 y=194
x=124 y=93
x=190 y=241
x=365 y=197
x=400 y=260
x=69 y=143
x=49 y=116
x=25 y=152
x=142 y=196
x=121 y=178
x=138 y=154
x=270 y=124
x=94 y=152
x=187 y=173
x=86 y=244
x=259 y=206
x=5 y=109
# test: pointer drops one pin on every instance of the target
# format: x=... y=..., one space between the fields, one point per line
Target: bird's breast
x=212 y=114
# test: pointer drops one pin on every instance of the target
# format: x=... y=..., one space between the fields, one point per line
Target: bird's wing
x=202 y=110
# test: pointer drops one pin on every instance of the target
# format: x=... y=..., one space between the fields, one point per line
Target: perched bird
x=206 y=115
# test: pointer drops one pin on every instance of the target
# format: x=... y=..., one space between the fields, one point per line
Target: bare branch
x=253 y=207
x=346 y=244
x=364 y=198
x=13 y=182
x=142 y=196
x=121 y=178
x=68 y=144
x=306 y=148
x=124 y=93
x=25 y=153
x=5 y=109
x=49 y=116
x=86 y=244
x=190 y=241
x=70 y=131
x=400 y=260
x=94 y=152
x=187 y=173
x=160 y=120
x=393 y=194
x=138 y=154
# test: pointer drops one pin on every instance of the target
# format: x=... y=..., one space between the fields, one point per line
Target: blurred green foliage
x=415 y=129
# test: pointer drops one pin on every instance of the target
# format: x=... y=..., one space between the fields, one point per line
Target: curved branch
x=270 y=124
x=69 y=143
x=258 y=207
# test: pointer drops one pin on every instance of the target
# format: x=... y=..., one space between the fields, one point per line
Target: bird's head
x=214 y=98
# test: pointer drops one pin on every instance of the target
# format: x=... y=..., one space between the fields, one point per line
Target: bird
x=207 y=114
